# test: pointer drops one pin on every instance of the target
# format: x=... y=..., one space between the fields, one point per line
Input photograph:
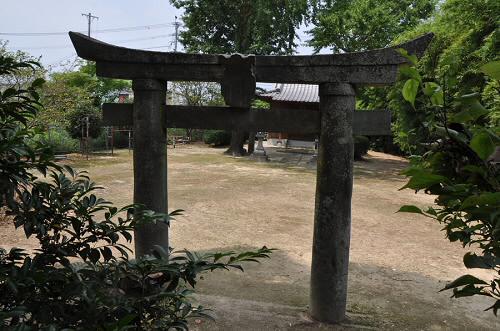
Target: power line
x=155 y=47
x=113 y=41
x=123 y=29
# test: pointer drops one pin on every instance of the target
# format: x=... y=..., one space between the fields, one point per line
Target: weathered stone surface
x=376 y=67
x=332 y=216
x=376 y=57
x=238 y=83
x=95 y=50
x=366 y=123
x=150 y=161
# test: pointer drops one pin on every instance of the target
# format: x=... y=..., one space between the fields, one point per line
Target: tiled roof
x=293 y=92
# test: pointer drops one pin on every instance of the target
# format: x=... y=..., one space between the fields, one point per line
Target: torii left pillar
x=150 y=161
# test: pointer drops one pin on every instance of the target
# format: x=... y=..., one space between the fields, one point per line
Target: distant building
x=292 y=96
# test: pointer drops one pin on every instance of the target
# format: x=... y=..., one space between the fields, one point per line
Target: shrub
x=76 y=120
x=458 y=170
x=217 y=138
x=361 y=146
x=120 y=140
x=58 y=140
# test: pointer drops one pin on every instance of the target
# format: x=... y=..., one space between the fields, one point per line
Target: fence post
x=332 y=217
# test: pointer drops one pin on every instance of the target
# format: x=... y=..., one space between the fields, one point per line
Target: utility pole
x=89 y=20
x=177 y=25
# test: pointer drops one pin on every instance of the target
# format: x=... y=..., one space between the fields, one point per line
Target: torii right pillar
x=332 y=217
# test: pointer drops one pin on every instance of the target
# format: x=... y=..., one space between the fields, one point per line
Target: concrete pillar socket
x=150 y=161
x=332 y=217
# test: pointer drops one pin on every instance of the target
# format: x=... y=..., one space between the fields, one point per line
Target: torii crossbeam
x=335 y=122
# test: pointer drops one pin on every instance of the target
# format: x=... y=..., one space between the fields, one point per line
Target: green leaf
x=472 y=109
x=410 y=209
x=468 y=115
x=410 y=90
x=38 y=82
x=423 y=180
x=411 y=58
x=463 y=280
x=430 y=88
x=437 y=99
x=435 y=92
x=482 y=144
x=410 y=72
x=492 y=69
x=484 y=199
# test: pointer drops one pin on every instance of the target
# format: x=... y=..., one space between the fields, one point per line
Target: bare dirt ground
x=399 y=262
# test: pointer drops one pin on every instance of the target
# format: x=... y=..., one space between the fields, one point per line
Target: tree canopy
x=466 y=36
x=356 y=25
x=245 y=26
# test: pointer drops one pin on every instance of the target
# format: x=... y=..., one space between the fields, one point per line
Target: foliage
x=81 y=277
x=120 y=140
x=257 y=103
x=17 y=107
x=458 y=169
x=196 y=93
x=77 y=121
x=244 y=26
x=57 y=139
x=69 y=97
x=349 y=26
x=24 y=76
x=99 y=89
x=217 y=138
x=361 y=146
x=466 y=36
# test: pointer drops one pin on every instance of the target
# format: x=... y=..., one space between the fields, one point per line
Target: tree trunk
x=251 y=143
x=237 y=141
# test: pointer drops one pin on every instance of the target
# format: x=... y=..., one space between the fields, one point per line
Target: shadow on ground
x=372 y=165
x=264 y=298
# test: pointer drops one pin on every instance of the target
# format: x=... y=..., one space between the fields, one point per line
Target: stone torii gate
x=337 y=76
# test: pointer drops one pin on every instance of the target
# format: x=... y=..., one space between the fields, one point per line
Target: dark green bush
x=76 y=119
x=361 y=146
x=58 y=140
x=217 y=138
x=120 y=140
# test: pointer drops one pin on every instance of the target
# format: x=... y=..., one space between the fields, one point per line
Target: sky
x=152 y=23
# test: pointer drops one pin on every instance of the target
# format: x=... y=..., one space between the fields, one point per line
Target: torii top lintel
x=374 y=67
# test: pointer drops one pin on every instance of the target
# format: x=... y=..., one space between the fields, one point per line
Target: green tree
x=70 y=97
x=357 y=25
x=466 y=36
x=24 y=76
x=242 y=26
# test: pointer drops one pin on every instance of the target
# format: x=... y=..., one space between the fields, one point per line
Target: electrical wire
x=122 y=29
x=69 y=46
